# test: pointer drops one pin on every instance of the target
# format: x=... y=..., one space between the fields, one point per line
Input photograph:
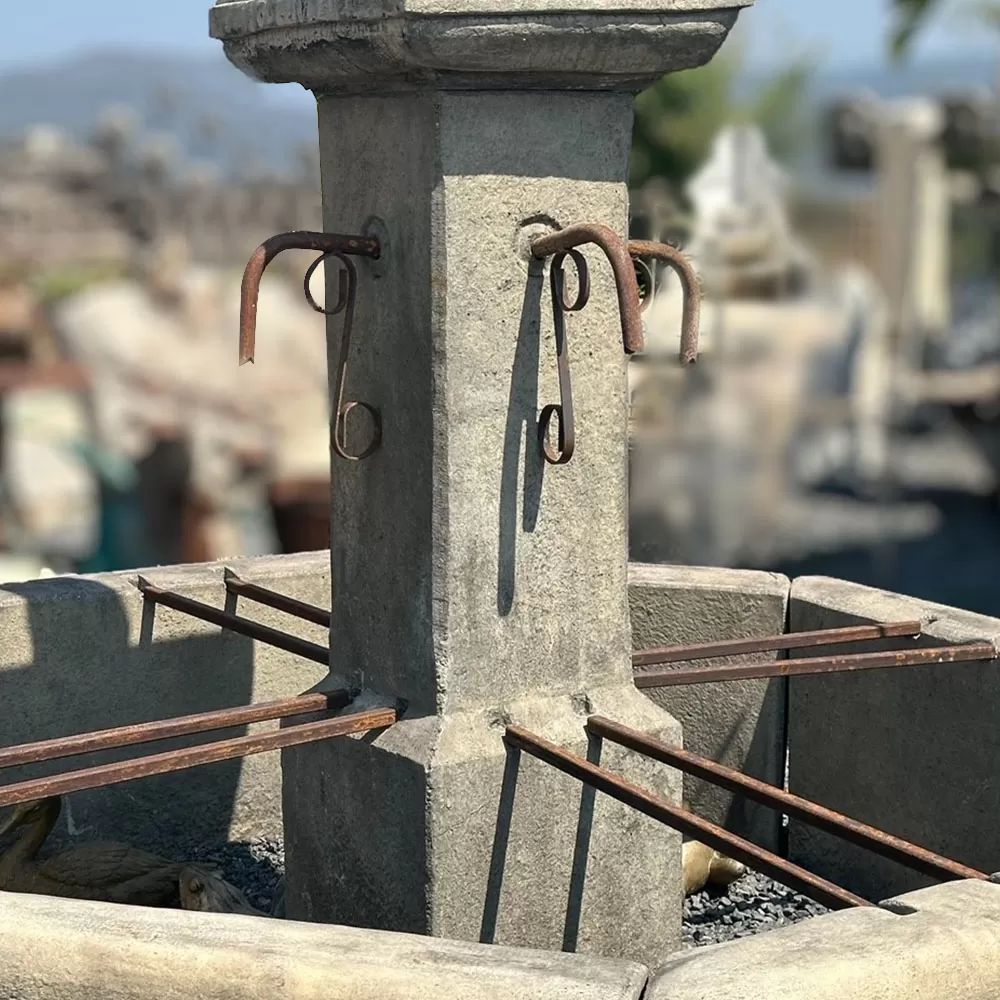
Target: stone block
x=737 y=723
x=62 y=949
x=81 y=653
x=914 y=751
x=602 y=879
x=944 y=943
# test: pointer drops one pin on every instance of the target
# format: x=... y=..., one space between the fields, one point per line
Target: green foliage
x=678 y=117
x=57 y=284
x=910 y=15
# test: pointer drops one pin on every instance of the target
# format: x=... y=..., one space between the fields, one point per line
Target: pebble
x=750 y=905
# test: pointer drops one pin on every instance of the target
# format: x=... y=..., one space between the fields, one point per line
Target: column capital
x=379 y=45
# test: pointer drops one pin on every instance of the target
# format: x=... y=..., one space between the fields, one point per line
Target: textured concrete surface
x=914 y=751
x=741 y=723
x=483 y=44
x=430 y=828
x=473 y=582
x=56 y=949
x=85 y=652
x=946 y=945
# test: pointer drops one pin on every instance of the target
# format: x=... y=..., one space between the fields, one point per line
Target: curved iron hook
x=616 y=251
x=325 y=243
x=690 y=289
x=563 y=410
x=347 y=291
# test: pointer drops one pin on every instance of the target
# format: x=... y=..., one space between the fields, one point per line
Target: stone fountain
x=475 y=584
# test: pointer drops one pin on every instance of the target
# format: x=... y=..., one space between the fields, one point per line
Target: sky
x=842 y=32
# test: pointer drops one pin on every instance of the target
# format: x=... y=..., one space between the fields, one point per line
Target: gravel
x=254 y=867
x=749 y=905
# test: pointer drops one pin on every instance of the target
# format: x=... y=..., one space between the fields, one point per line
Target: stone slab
x=58 y=949
x=740 y=723
x=484 y=44
x=914 y=751
x=946 y=946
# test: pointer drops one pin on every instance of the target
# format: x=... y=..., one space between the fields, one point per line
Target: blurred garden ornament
x=103 y=870
x=702 y=866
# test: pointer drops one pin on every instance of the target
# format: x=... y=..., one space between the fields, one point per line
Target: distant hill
x=179 y=94
x=934 y=77
x=186 y=96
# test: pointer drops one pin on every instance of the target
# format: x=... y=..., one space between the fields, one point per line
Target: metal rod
x=182 y=725
x=789 y=640
x=365 y=246
x=616 y=250
x=690 y=290
x=895 y=849
x=563 y=410
x=180 y=760
x=684 y=820
x=818 y=665
x=290 y=643
x=280 y=602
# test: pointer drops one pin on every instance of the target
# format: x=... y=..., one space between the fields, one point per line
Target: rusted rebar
x=690 y=290
x=325 y=243
x=683 y=820
x=877 y=841
x=818 y=665
x=788 y=640
x=162 y=729
x=181 y=760
x=234 y=623
x=280 y=602
x=615 y=249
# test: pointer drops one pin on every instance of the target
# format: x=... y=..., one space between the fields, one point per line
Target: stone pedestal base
x=432 y=828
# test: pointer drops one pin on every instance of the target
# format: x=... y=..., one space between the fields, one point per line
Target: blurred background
x=834 y=174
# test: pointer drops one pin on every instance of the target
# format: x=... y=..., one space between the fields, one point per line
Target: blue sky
x=846 y=32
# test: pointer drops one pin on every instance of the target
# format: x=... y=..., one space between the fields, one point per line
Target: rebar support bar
x=188 y=757
x=162 y=729
x=243 y=626
x=818 y=665
x=877 y=841
x=280 y=602
x=766 y=644
x=683 y=820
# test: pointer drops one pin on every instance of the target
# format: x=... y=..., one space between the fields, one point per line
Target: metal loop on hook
x=342 y=287
x=340 y=431
x=561 y=453
x=348 y=283
x=557 y=276
x=644 y=301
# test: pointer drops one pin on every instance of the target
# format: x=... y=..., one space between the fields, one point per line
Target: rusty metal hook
x=563 y=410
x=616 y=251
x=325 y=243
x=690 y=289
x=347 y=291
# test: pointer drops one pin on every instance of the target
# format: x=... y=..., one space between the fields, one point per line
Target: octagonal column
x=474 y=582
